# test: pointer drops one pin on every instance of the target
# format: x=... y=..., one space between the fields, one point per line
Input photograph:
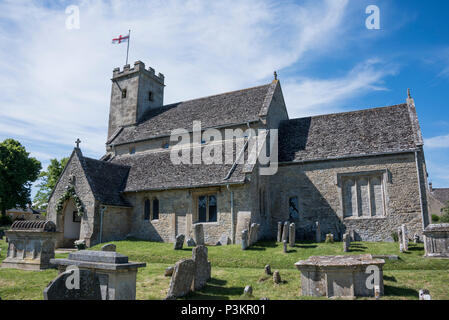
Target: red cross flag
x=121 y=39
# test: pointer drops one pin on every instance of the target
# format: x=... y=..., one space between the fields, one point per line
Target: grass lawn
x=233 y=269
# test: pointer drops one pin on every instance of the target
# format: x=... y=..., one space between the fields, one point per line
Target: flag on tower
x=121 y=39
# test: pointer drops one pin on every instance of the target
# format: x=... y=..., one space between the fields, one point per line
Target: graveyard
x=233 y=269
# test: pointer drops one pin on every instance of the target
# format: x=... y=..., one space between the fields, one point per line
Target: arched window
x=155 y=209
x=146 y=216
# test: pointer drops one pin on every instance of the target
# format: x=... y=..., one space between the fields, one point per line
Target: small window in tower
x=150 y=96
x=123 y=93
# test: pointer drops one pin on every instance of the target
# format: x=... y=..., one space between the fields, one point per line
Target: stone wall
x=317 y=187
x=116 y=223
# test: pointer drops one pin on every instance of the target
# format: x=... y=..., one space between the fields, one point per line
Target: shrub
x=444 y=218
x=5 y=220
x=395 y=236
x=435 y=218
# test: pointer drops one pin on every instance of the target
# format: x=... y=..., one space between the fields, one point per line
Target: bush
x=435 y=218
x=395 y=236
x=444 y=218
x=5 y=220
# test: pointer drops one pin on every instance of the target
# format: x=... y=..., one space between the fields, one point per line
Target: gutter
x=420 y=191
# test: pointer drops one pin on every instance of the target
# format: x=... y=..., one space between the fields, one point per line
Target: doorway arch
x=71 y=223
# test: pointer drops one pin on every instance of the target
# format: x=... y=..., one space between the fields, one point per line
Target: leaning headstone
x=191 y=242
x=202 y=267
x=276 y=277
x=346 y=242
x=89 y=286
x=198 y=234
x=285 y=246
x=416 y=238
x=182 y=278
x=424 y=294
x=109 y=247
x=252 y=231
x=245 y=239
x=169 y=271
x=317 y=232
x=279 y=237
x=179 y=242
x=268 y=270
x=224 y=240
x=291 y=235
x=285 y=231
x=248 y=291
x=404 y=237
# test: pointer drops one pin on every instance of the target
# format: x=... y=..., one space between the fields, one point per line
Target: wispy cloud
x=437 y=142
x=316 y=96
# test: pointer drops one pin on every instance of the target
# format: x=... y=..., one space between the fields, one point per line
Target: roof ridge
x=349 y=112
x=106 y=162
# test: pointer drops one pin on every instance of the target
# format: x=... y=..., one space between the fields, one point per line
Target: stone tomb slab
x=338 y=276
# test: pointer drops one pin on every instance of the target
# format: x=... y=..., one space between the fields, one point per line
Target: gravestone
x=404 y=237
x=401 y=246
x=109 y=247
x=285 y=246
x=317 y=232
x=88 y=287
x=291 y=234
x=169 y=271
x=245 y=239
x=416 y=238
x=329 y=238
x=424 y=294
x=248 y=291
x=252 y=231
x=191 y=242
x=198 y=234
x=276 y=277
x=182 y=278
x=346 y=242
x=436 y=240
x=268 y=270
x=279 y=237
x=179 y=242
x=285 y=231
x=202 y=267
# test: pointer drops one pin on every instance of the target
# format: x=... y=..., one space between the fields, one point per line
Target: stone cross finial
x=78 y=141
x=408 y=94
x=275 y=75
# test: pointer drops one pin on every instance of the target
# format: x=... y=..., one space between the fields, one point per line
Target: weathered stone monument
x=292 y=235
x=317 y=232
x=116 y=274
x=285 y=246
x=248 y=291
x=109 y=247
x=88 y=288
x=202 y=267
x=191 y=242
x=404 y=237
x=245 y=239
x=424 y=294
x=267 y=270
x=329 y=238
x=346 y=242
x=436 y=240
x=276 y=277
x=179 y=242
x=341 y=276
x=279 y=235
x=198 y=234
x=31 y=245
x=285 y=231
x=182 y=278
x=169 y=271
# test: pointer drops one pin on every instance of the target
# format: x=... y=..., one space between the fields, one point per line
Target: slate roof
x=357 y=133
x=224 y=109
x=107 y=180
x=155 y=171
x=441 y=194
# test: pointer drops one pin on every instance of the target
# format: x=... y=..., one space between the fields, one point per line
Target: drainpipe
x=102 y=210
x=232 y=215
x=420 y=192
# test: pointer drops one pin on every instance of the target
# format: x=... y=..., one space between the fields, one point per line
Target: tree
x=17 y=171
x=47 y=182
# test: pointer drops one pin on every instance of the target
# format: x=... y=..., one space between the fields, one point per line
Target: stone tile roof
x=106 y=180
x=224 y=109
x=441 y=194
x=156 y=171
x=357 y=133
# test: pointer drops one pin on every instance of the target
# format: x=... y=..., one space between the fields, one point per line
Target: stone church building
x=362 y=171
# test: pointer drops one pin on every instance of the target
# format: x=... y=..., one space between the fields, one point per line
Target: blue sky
x=56 y=81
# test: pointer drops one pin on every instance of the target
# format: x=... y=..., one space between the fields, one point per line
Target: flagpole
x=127 y=49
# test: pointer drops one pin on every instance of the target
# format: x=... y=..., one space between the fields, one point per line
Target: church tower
x=134 y=91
